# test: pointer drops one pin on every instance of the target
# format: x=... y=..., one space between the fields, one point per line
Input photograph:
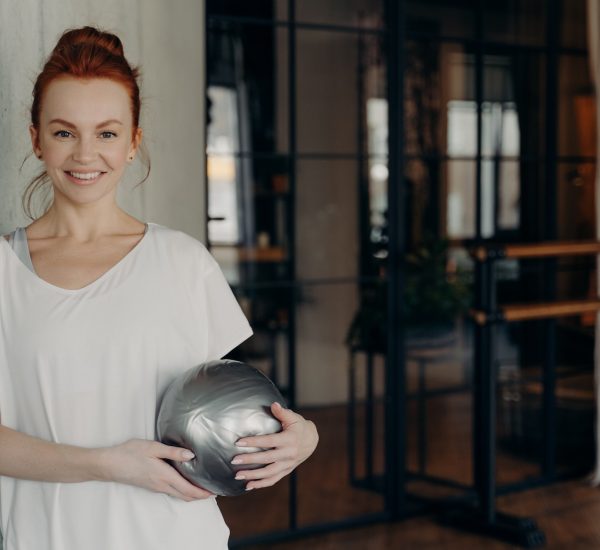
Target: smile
x=84 y=178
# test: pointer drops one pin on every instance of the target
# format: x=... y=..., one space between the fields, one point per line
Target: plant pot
x=430 y=336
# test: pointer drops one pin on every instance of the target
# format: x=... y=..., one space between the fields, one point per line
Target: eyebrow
x=105 y=123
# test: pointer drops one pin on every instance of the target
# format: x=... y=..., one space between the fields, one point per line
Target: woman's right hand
x=140 y=462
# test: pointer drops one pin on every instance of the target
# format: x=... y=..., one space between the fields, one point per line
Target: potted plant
x=436 y=293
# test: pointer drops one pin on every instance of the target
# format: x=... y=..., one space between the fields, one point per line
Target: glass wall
x=498 y=146
x=297 y=194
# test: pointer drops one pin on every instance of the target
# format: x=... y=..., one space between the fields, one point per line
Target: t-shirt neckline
x=95 y=282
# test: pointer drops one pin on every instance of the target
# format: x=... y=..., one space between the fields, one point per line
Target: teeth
x=82 y=176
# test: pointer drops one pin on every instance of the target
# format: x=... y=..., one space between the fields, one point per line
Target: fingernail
x=241 y=444
x=240 y=476
x=188 y=454
x=249 y=488
x=236 y=461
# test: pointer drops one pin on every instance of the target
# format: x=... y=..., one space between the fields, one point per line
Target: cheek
x=55 y=156
x=116 y=157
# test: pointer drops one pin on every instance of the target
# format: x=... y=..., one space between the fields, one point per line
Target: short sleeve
x=227 y=325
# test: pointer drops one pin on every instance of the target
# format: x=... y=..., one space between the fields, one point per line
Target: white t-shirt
x=88 y=367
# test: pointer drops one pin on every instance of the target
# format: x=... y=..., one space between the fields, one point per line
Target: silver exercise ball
x=207 y=409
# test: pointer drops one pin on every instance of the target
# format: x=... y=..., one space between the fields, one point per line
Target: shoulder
x=182 y=247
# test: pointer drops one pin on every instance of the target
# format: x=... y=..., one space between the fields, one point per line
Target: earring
x=130 y=158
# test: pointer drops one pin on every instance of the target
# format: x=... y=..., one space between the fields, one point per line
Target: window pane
x=253 y=208
x=514 y=102
x=439 y=100
x=501 y=196
x=338 y=72
x=264 y=9
x=577 y=108
x=460 y=199
x=251 y=61
x=515 y=22
x=441 y=18
x=327 y=372
x=576 y=201
x=328 y=234
x=350 y=13
x=573 y=24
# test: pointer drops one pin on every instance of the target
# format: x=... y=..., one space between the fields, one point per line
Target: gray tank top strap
x=18 y=241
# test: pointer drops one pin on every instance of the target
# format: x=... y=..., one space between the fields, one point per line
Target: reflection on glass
x=327 y=223
x=515 y=22
x=573 y=17
x=460 y=199
x=260 y=212
x=334 y=71
x=377 y=128
x=331 y=373
x=576 y=201
x=262 y=9
x=351 y=13
x=577 y=108
x=222 y=166
x=500 y=183
x=251 y=59
x=439 y=80
x=442 y=18
x=509 y=195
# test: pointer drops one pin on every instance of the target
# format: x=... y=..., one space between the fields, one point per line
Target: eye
x=61 y=133
x=108 y=134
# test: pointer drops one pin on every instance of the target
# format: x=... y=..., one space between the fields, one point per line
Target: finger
x=267 y=482
x=285 y=416
x=261 y=457
x=261 y=473
x=172 y=491
x=269 y=441
x=179 y=454
x=187 y=489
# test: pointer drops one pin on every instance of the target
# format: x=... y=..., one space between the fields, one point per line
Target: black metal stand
x=514 y=530
x=484 y=518
x=369 y=480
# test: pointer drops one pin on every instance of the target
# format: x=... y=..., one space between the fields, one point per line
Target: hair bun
x=92 y=37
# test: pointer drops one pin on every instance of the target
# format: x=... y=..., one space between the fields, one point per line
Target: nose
x=85 y=150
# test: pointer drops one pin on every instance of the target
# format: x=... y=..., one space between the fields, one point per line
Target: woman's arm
x=26 y=457
x=137 y=462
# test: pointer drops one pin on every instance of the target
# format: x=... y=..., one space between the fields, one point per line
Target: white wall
x=167 y=40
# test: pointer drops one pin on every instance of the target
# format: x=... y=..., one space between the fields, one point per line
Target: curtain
x=593 y=35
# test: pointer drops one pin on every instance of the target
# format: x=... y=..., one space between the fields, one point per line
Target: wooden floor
x=569 y=513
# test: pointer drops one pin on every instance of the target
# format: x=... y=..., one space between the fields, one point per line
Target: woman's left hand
x=285 y=450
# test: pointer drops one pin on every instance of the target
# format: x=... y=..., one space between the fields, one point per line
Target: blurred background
x=341 y=159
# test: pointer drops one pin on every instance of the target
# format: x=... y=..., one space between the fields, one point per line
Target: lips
x=84 y=178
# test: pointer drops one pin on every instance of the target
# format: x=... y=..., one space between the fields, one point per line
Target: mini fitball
x=207 y=409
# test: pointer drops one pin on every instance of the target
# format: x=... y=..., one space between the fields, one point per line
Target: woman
x=98 y=313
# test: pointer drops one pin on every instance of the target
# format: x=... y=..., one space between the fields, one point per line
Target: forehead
x=86 y=101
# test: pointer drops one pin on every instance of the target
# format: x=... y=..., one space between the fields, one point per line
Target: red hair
x=85 y=53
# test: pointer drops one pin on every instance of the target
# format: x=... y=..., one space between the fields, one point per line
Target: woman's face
x=85 y=136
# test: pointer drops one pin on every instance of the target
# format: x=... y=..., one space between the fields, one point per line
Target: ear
x=135 y=142
x=35 y=142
